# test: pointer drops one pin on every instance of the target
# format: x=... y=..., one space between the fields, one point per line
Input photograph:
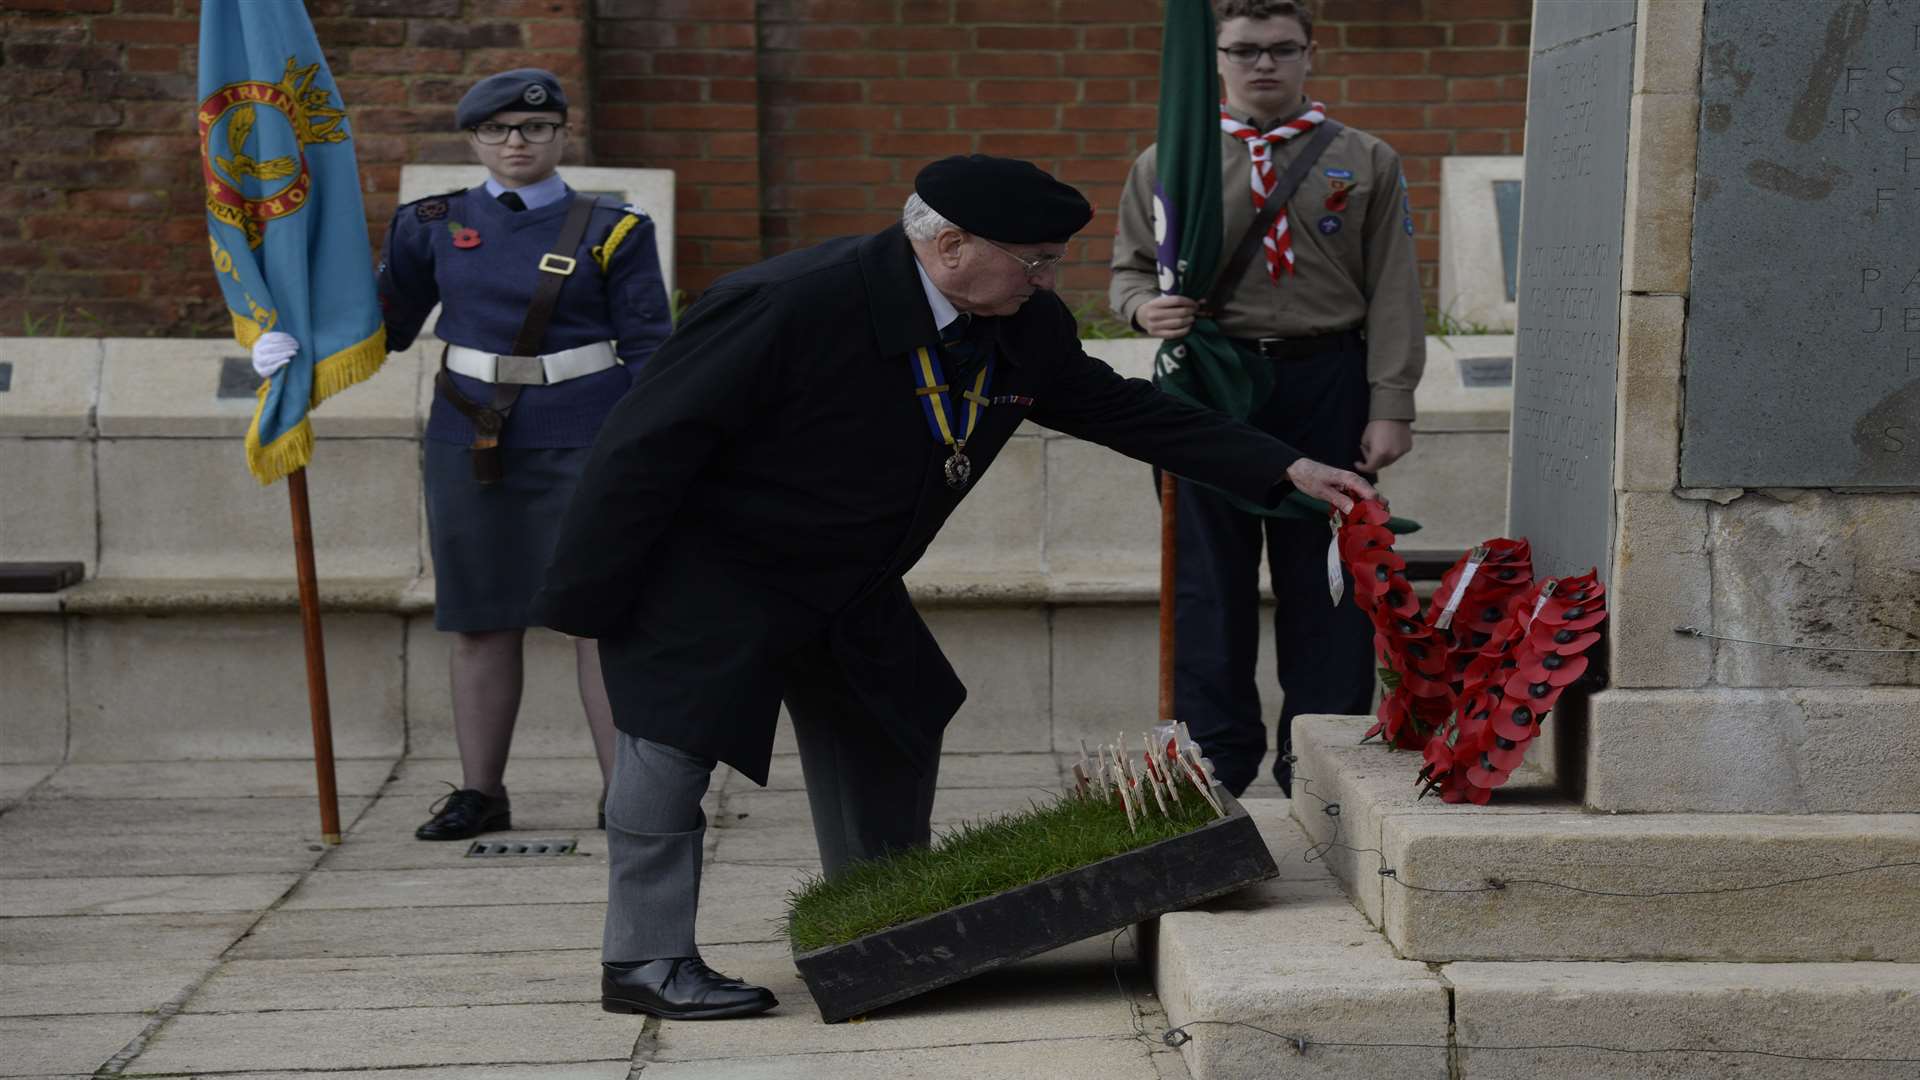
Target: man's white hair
x=921 y=221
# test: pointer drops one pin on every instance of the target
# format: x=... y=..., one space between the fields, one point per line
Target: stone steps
x=1296 y=958
x=1561 y=862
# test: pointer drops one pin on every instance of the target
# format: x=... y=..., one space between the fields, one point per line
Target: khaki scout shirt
x=1361 y=274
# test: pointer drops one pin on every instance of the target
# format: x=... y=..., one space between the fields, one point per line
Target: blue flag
x=284 y=218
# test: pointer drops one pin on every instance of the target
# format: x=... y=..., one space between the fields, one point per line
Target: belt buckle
x=557 y=264
x=1271 y=346
x=523 y=370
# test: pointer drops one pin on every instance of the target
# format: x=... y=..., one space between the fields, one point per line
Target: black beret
x=1003 y=199
x=519 y=90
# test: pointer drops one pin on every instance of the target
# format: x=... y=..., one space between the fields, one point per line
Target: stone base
x=1294 y=958
x=1531 y=837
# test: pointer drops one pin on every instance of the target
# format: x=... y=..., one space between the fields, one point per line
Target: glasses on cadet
x=1034 y=265
x=1248 y=55
x=533 y=131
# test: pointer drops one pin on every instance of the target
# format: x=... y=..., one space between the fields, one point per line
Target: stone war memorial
x=1674 y=319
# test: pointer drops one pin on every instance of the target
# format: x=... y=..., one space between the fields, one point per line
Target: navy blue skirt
x=491 y=544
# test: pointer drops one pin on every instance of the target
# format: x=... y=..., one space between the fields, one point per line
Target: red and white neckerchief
x=1279 y=243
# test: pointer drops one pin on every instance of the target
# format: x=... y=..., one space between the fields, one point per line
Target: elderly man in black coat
x=741 y=530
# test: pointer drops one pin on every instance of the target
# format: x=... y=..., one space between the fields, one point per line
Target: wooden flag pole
x=316 y=657
x=1169 y=554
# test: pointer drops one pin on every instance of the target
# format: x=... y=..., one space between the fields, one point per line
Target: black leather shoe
x=465 y=813
x=679 y=988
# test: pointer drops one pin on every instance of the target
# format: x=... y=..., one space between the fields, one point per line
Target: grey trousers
x=865 y=800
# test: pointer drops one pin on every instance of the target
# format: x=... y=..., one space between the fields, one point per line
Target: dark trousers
x=1324 y=654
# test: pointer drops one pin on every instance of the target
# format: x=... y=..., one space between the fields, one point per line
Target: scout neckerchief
x=936 y=398
x=1279 y=243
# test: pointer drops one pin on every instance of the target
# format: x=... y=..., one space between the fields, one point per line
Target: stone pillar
x=1740 y=181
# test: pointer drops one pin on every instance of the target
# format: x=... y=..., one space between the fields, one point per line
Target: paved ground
x=182 y=920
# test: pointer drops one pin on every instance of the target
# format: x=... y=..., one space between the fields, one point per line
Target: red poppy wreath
x=1469 y=680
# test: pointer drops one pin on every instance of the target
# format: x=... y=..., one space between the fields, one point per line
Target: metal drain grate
x=487 y=849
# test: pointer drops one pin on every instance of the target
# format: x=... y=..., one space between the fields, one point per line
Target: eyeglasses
x=1034 y=265
x=533 y=131
x=1248 y=55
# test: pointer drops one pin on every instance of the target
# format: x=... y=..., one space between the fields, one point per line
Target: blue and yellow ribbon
x=935 y=397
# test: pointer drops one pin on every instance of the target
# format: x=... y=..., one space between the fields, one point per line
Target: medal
x=950 y=429
x=959 y=470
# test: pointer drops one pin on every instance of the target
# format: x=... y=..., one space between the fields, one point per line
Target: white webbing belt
x=531 y=370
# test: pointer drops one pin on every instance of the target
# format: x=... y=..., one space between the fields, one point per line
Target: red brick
x=146 y=7
x=726 y=223
x=819 y=198
x=1107 y=90
x=1004 y=11
x=728 y=35
x=1520 y=34
x=1108 y=38
x=1008 y=64
x=463 y=35
x=814 y=91
x=1480 y=142
x=929 y=65
x=1050 y=38
x=1021 y=146
x=570 y=66
x=1026 y=91
x=1479 y=62
x=856 y=117
x=736 y=64
x=733 y=90
x=920 y=145
x=734 y=144
x=1371 y=63
x=1129 y=63
x=1489 y=9
x=830 y=170
x=1478 y=34
x=917 y=91
x=1090 y=118
x=1506 y=88
x=555 y=35
x=650 y=90
x=701 y=117
x=525 y=9
x=1111 y=11
x=814 y=144
x=924 y=118
x=375 y=61
x=1375 y=117
x=1427 y=89
x=916 y=38
x=147 y=31
x=1012 y=117
x=688 y=171
x=1477 y=116
x=803 y=38
x=1395 y=36
x=725 y=197
x=1365 y=11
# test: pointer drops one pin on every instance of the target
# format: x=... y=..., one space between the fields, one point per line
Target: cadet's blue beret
x=1003 y=199
x=519 y=90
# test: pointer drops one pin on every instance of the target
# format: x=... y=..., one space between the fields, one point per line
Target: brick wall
x=787 y=121
x=102 y=227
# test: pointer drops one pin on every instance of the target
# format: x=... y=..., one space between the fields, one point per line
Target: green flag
x=1204 y=368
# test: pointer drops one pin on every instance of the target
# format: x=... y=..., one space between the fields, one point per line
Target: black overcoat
x=754 y=500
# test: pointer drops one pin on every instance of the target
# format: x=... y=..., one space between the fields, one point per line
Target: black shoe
x=679 y=988
x=465 y=813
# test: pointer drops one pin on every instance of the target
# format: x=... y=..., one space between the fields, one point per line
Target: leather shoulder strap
x=533 y=329
x=1290 y=182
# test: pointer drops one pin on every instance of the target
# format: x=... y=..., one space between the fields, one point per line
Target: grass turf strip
x=974 y=861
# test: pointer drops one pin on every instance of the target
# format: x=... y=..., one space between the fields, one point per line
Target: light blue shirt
x=535 y=195
x=943 y=310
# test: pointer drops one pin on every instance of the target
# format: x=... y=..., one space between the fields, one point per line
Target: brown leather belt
x=1301 y=348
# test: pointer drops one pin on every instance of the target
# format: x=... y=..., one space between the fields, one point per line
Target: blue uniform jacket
x=479 y=260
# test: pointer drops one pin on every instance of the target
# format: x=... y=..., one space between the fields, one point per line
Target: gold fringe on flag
x=294 y=448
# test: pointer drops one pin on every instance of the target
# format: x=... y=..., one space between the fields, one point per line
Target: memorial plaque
x=6 y=376
x=237 y=379
x=1573 y=213
x=1506 y=211
x=1803 y=334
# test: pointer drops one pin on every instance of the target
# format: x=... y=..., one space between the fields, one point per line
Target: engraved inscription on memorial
x=1803 y=345
x=1573 y=209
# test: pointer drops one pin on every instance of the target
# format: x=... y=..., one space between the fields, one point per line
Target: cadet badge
x=430 y=210
x=244 y=187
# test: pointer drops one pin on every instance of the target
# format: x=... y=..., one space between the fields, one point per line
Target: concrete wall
x=121 y=454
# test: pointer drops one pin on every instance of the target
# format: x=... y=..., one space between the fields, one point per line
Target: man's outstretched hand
x=1336 y=487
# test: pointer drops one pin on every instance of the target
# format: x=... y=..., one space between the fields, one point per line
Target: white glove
x=272 y=352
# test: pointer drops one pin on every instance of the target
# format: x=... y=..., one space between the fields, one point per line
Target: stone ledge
x=1535 y=835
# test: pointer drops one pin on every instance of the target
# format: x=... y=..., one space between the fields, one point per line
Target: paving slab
x=744 y=903
x=396 y=982
x=80 y=938
x=17 y=780
x=430 y=776
x=172 y=818
x=569 y=1071
x=142 y=895
x=79 y=854
x=508 y=881
x=100 y=986
x=785 y=845
x=1067 y=991
x=197 y=779
x=421 y=931
x=1091 y=1058
x=43 y=1045
x=385 y=1038
x=1017 y=770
